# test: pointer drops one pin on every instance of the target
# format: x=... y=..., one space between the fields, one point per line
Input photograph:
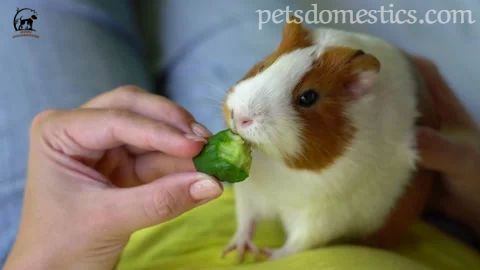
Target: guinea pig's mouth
x=247 y=141
x=250 y=143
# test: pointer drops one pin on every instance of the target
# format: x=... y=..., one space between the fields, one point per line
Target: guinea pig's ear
x=293 y=27
x=364 y=68
x=295 y=35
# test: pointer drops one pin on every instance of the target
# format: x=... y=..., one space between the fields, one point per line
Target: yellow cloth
x=196 y=239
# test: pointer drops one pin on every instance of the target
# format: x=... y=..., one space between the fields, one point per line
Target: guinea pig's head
x=293 y=104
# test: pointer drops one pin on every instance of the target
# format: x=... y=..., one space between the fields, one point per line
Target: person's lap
x=205 y=47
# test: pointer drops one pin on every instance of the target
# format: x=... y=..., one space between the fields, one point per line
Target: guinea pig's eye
x=308 y=98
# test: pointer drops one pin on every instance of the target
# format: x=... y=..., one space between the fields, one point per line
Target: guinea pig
x=331 y=119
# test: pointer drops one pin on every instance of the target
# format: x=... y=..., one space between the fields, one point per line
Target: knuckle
x=159 y=128
x=165 y=137
x=114 y=97
x=128 y=91
x=125 y=96
x=42 y=117
x=165 y=205
x=157 y=136
x=117 y=113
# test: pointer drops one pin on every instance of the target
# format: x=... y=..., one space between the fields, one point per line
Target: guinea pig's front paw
x=242 y=244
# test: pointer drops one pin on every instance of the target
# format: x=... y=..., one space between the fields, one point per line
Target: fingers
x=79 y=132
x=442 y=155
x=448 y=106
x=149 y=105
x=154 y=165
x=124 y=170
x=162 y=200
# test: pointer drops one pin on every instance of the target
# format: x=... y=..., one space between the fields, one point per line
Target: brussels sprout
x=226 y=156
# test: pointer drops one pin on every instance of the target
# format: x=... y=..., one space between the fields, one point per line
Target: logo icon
x=23 y=22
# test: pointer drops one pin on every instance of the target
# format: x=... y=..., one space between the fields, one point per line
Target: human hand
x=96 y=174
x=453 y=152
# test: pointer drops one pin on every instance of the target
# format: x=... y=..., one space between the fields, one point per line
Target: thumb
x=162 y=200
x=441 y=154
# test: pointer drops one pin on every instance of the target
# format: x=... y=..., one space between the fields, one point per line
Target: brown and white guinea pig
x=331 y=117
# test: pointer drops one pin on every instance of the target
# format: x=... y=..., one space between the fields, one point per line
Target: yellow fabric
x=196 y=239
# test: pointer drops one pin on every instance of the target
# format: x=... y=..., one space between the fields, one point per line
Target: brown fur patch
x=327 y=131
x=405 y=212
x=294 y=36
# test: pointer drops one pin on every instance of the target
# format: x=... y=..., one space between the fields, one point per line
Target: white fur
x=350 y=198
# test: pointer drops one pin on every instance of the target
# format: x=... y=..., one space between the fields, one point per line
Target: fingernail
x=205 y=189
x=195 y=138
x=201 y=130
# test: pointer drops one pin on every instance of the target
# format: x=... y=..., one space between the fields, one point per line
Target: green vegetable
x=226 y=156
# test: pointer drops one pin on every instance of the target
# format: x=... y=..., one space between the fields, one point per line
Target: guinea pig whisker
x=218 y=102
x=211 y=84
x=217 y=90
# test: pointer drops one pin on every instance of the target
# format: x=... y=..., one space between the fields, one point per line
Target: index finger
x=449 y=108
x=439 y=153
x=82 y=131
x=153 y=106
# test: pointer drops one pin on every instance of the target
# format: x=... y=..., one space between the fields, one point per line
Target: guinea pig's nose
x=245 y=121
x=241 y=120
